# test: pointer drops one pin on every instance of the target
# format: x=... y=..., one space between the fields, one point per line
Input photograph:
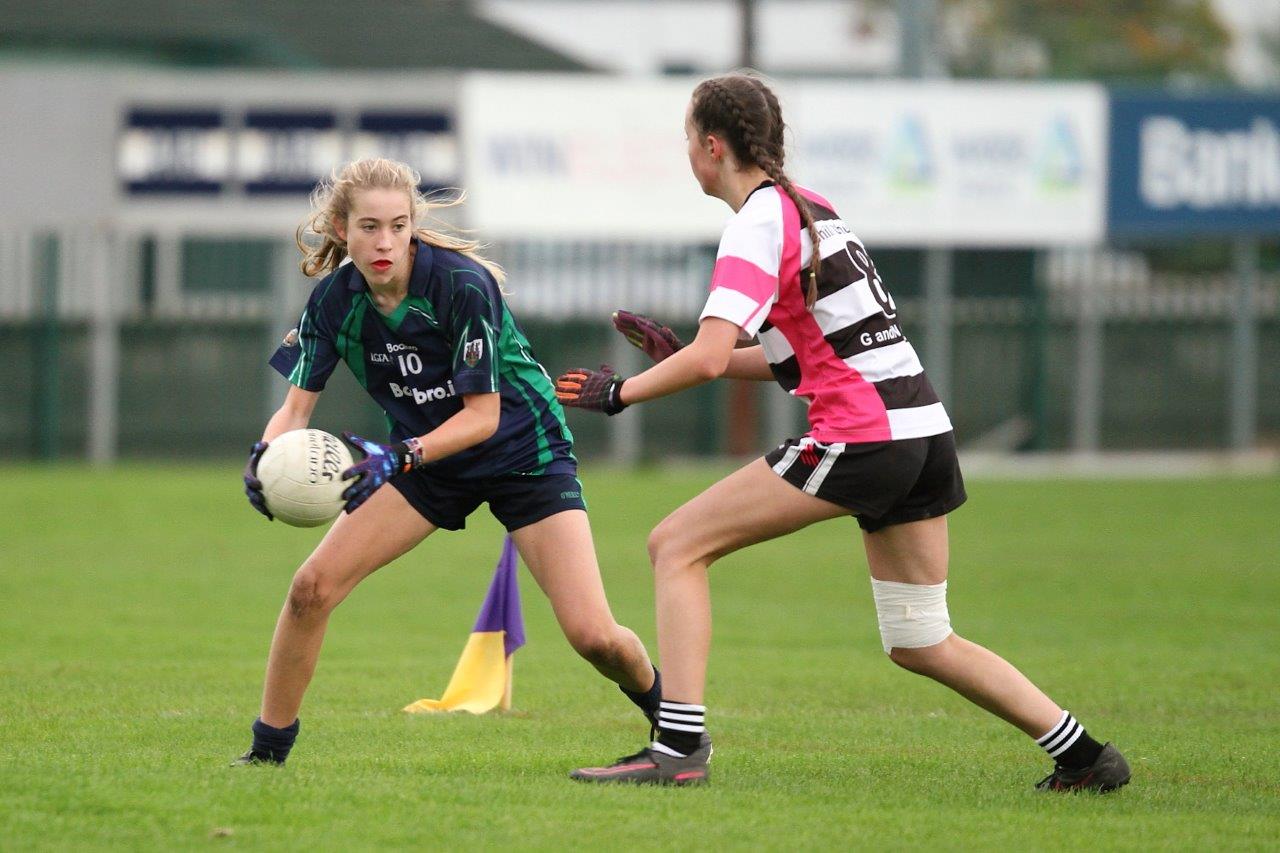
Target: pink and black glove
x=598 y=390
x=657 y=340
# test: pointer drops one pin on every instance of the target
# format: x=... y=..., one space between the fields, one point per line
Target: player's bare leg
x=917 y=553
x=751 y=505
x=357 y=545
x=561 y=557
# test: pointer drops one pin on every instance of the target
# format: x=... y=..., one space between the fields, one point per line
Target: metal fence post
x=168 y=274
x=1088 y=414
x=938 y=320
x=1037 y=374
x=46 y=360
x=1243 y=416
x=104 y=348
x=285 y=294
x=626 y=430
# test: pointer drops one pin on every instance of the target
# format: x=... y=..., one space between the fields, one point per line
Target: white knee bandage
x=911 y=615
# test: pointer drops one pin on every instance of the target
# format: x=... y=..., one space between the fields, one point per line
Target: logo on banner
x=1060 y=163
x=164 y=150
x=473 y=352
x=1204 y=168
x=910 y=161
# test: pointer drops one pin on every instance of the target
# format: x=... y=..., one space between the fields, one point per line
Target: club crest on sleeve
x=472 y=352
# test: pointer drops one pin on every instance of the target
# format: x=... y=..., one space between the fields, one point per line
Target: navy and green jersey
x=451 y=335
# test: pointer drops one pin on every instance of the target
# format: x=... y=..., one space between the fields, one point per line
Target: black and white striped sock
x=1069 y=745
x=680 y=728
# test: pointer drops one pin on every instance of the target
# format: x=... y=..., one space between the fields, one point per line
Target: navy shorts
x=516 y=500
x=881 y=483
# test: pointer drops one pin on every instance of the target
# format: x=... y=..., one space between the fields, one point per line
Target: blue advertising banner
x=1203 y=165
x=287 y=152
x=174 y=151
x=177 y=150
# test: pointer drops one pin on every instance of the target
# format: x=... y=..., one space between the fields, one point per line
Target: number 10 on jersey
x=410 y=363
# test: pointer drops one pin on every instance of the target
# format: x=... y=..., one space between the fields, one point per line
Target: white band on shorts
x=911 y=616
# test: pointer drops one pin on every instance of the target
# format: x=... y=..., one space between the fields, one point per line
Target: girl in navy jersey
x=419 y=318
x=880 y=446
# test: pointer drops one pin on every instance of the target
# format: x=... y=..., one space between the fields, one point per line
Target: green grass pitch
x=138 y=605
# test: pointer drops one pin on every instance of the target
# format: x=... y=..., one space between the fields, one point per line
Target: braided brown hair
x=745 y=111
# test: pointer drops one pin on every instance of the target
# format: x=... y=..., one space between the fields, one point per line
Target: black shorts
x=882 y=483
x=516 y=500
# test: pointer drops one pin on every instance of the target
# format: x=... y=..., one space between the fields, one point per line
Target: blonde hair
x=331 y=203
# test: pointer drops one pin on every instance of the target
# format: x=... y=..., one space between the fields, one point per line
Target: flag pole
x=505 y=704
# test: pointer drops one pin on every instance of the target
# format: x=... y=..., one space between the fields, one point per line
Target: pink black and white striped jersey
x=848 y=356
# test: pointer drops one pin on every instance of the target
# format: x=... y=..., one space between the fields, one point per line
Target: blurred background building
x=1076 y=206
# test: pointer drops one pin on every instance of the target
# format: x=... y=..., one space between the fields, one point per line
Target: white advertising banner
x=575 y=157
x=954 y=164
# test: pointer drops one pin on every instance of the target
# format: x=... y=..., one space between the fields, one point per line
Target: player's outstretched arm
x=706 y=358
x=294 y=413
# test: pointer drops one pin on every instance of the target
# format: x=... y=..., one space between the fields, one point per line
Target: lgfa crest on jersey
x=472 y=352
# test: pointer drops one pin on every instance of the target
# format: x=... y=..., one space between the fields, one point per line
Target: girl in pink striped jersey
x=880 y=446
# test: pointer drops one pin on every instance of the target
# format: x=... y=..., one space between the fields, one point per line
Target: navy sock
x=272 y=743
x=647 y=700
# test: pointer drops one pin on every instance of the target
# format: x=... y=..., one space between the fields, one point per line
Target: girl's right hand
x=252 y=485
x=598 y=390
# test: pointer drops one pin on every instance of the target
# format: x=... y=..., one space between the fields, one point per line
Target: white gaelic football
x=301 y=474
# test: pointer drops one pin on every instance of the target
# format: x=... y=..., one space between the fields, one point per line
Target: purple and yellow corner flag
x=482 y=679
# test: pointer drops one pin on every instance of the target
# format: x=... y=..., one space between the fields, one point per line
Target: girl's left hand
x=657 y=340
x=381 y=462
